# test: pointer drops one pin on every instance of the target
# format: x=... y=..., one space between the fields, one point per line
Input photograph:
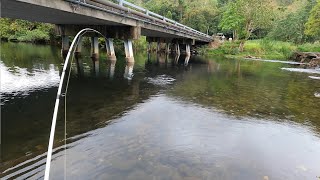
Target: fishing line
x=59 y=95
x=65 y=109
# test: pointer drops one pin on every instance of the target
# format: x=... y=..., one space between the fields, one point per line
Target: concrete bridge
x=123 y=20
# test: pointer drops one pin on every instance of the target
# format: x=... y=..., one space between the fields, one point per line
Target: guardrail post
x=128 y=50
x=95 y=53
x=110 y=49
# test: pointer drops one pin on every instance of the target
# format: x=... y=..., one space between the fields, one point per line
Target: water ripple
x=160 y=80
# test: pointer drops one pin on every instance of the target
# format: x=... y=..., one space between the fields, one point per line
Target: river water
x=208 y=118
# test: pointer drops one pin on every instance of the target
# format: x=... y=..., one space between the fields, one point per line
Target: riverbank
x=264 y=49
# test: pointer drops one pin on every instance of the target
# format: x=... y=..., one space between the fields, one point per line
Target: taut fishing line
x=72 y=48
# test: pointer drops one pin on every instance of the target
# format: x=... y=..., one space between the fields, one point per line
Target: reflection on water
x=311 y=71
x=160 y=80
x=128 y=72
x=163 y=118
x=314 y=77
x=18 y=81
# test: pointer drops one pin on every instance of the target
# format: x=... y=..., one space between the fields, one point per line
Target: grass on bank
x=264 y=48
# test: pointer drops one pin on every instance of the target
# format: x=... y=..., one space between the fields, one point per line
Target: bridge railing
x=127 y=5
x=147 y=12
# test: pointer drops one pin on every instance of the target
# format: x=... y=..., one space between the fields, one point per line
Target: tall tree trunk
x=241 y=47
x=235 y=35
x=248 y=30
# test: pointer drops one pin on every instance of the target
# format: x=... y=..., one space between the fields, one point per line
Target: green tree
x=202 y=16
x=313 y=23
x=169 y=15
x=291 y=27
x=246 y=16
x=5 y=30
x=162 y=7
x=22 y=30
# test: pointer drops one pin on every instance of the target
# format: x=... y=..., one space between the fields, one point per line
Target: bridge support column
x=65 y=46
x=78 y=57
x=158 y=46
x=186 y=60
x=188 y=51
x=149 y=47
x=149 y=50
x=110 y=50
x=176 y=58
x=128 y=50
x=177 y=48
x=167 y=48
x=95 y=53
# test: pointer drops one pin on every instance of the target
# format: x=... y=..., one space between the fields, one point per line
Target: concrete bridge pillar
x=95 y=54
x=176 y=58
x=149 y=47
x=110 y=49
x=188 y=51
x=149 y=50
x=177 y=48
x=65 y=46
x=161 y=59
x=186 y=60
x=78 y=57
x=158 y=46
x=128 y=50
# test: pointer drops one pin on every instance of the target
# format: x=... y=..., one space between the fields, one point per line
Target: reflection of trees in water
x=252 y=89
x=29 y=55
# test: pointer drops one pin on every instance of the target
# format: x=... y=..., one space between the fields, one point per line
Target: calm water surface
x=208 y=118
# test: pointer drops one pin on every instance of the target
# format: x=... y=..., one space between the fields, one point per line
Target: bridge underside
x=66 y=13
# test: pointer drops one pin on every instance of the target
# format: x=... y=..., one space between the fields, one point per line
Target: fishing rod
x=72 y=48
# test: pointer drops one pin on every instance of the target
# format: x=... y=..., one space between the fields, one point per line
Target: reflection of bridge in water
x=162 y=60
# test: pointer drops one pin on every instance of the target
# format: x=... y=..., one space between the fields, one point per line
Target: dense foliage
x=21 y=30
x=313 y=24
x=264 y=48
x=294 y=21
